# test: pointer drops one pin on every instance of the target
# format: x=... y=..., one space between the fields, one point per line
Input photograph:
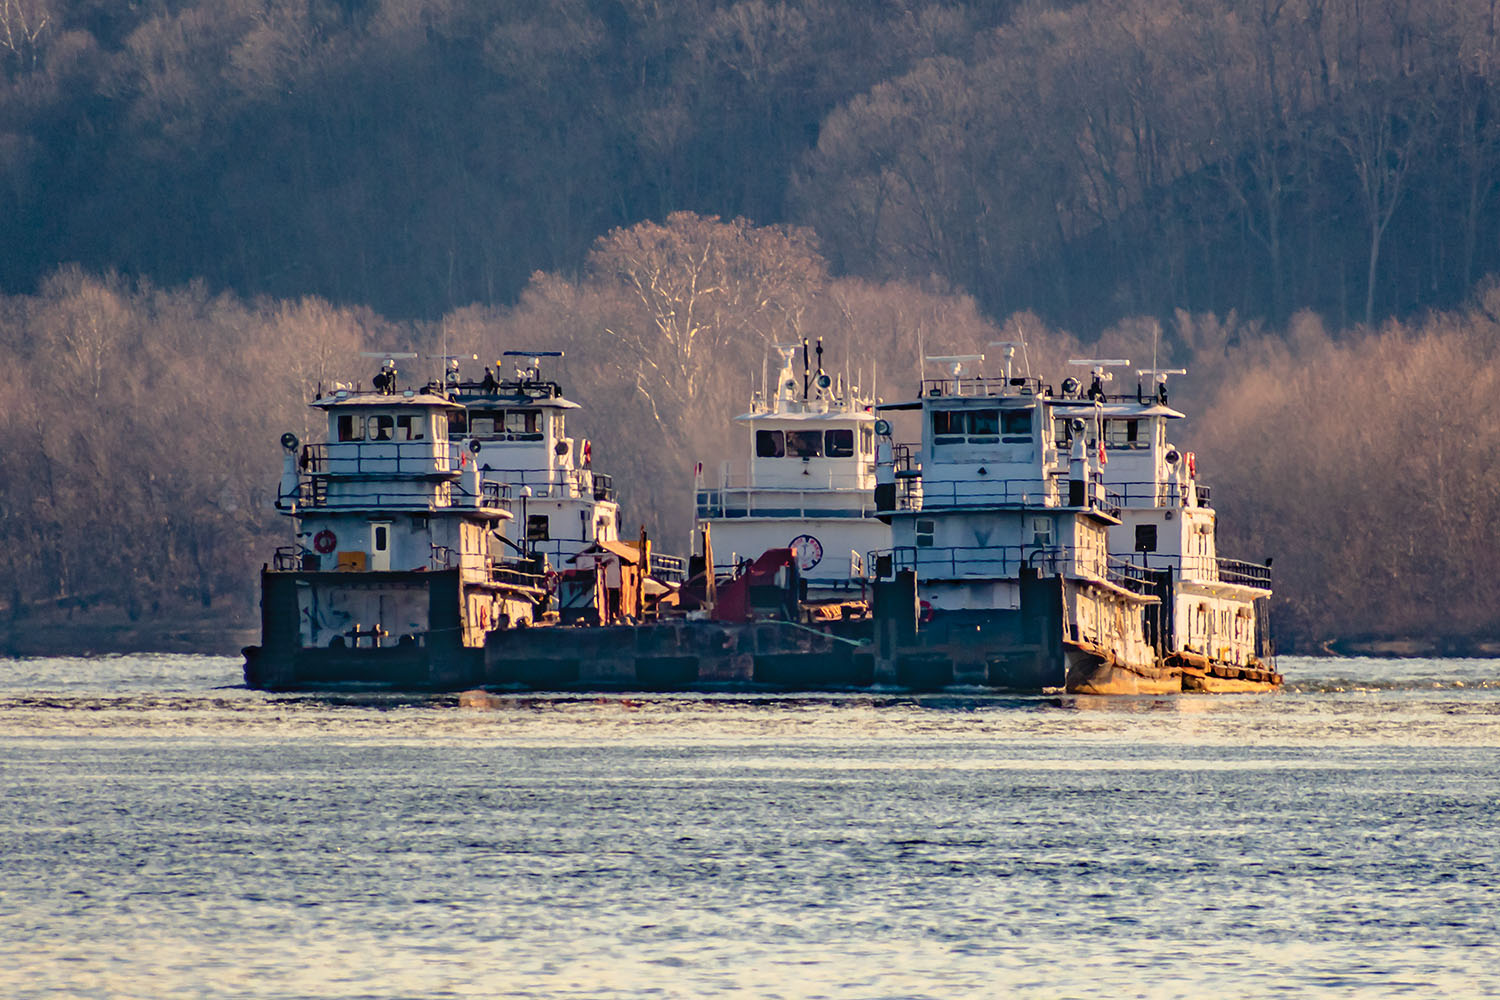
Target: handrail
x=1211 y=569
x=1007 y=562
x=380 y=458
x=852 y=474
x=984 y=385
x=779 y=502
x=567 y=483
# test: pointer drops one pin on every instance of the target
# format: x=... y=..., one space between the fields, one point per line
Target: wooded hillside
x=1083 y=160
x=206 y=207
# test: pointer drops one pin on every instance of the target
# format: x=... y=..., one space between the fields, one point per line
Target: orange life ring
x=926 y=615
x=325 y=541
x=1192 y=459
x=484 y=616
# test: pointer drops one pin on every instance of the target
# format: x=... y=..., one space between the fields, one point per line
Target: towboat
x=1000 y=573
x=406 y=552
x=807 y=483
x=1214 y=619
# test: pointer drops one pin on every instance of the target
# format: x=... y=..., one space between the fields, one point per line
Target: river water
x=165 y=833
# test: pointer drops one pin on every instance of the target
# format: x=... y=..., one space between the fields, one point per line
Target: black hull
x=899 y=648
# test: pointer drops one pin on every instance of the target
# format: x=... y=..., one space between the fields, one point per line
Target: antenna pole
x=805 y=368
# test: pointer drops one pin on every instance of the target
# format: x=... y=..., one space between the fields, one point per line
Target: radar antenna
x=955 y=363
x=1099 y=369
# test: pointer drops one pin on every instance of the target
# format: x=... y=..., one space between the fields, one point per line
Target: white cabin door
x=380 y=545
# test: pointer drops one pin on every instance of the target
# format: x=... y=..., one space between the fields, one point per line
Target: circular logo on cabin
x=809 y=551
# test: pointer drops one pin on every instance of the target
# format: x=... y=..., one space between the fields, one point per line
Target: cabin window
x=1060 y=432
x=770 y=444
x=380 y=538
x=1015 y=426
x=971 y=426
x=523 y=421
x=925 y=530
x=382 y=427
x=1041 y=532
x=866 y=440
x=351 y=427
x=983 y=426
x=1123 y=434
x=458 y=423
x=1145 y=538
x=410 y=428
x=804 y=444
x=481 y=426
x=538 y=528
x=947 y=426
x=838 y=443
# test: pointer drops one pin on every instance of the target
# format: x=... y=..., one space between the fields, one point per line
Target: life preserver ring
x=1192 y=462
x=588 y=453
x=484 y=616
x=463 y=460
x=324 y=541
x=926 y=615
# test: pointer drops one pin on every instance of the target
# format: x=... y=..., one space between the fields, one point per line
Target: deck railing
x=1002 y=562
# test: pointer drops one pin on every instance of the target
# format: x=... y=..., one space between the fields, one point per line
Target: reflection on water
x=164 y=833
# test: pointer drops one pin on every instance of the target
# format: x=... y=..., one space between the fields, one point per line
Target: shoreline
x=227 y=632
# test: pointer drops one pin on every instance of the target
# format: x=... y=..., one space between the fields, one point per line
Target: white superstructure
x=1215 y=609
x=808 y=482
x=390 y=495
x=1000 y=516
x=516 y=431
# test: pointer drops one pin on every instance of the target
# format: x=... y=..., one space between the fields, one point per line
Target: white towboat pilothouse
x=807 y=483
x=1215 y=624
x=1000 y=572
x=399 y=566
x=516 y=431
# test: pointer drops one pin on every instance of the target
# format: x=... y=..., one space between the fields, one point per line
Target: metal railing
x=736 y=476
x=1246 y=574
x=984 y=385
x=1159 y=494
x=921 y=494
x=313 y=493
x=554 y=483
x=671 y=568
x=981 y=492
x=1209 y=569
x=380 y=458
x=1006 y=562
x=773 y=502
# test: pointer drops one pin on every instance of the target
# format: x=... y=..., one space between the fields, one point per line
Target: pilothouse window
x=977 y=426
x=1015 y=426
x=983 y=424
x=804 y=444
x=1123 y=434
x=410 y=428
x=382 y=427
x=769 y=444
x=839 y=443
x=351 y=428
x=523 y=421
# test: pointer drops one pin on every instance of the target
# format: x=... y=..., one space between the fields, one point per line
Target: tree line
x=142 y=438
x=1085 y=161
